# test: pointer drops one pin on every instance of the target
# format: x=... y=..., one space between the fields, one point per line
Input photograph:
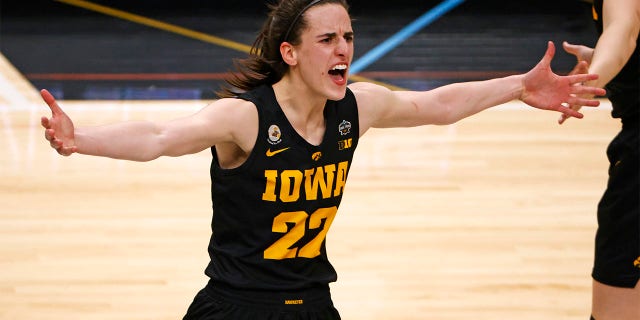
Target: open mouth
x=338 y=73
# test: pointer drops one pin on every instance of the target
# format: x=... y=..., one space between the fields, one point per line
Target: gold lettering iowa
x=317 y=183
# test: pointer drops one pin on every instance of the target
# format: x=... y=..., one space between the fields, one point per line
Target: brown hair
x=265 y=65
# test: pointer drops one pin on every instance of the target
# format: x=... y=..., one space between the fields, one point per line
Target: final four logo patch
x=275 y=135
x=344 y=127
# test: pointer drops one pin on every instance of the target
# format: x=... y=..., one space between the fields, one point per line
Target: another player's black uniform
x=617 y=247
x=271 y=216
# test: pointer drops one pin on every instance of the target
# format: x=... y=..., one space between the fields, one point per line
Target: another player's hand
x=544 y=89
x=580 y=68
x=582 y=53
x=59 y=130
x=583 y=56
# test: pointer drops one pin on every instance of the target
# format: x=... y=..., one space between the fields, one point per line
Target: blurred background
x=149 y=49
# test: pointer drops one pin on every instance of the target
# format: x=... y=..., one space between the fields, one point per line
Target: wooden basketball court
x=490 y=218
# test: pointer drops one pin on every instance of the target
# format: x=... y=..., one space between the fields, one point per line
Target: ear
x=288 y=53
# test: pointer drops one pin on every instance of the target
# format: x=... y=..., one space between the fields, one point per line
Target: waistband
x=304 y=298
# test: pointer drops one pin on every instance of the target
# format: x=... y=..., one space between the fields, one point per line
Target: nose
x=342 y=47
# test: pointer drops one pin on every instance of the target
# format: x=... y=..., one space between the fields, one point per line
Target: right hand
x=59 y=130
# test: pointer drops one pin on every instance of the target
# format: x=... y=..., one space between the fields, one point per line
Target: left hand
x=583 y=55
x=580 y=68
x=546 y=90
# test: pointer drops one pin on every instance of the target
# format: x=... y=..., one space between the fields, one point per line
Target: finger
x=49 y=134
x=66 y=151
x=55 y=143
x=570 y=48
x=581 y=102
x=548 y=55
x=575 y=78
x=578 y=69
x=584 y=90
x=570 y=112
x=583 y=65
x=563 y=118
x=51 y=102
x=44 y=121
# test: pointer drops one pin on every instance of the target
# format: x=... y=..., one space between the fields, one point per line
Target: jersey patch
x=275 y=134
x=345 y=144
x=344 y=128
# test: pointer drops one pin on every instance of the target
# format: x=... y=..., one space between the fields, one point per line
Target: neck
x=304 y=109
x=295 y=97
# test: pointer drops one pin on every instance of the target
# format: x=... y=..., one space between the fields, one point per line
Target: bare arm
x=144 y=140
x=621 y=26
x=539 y=88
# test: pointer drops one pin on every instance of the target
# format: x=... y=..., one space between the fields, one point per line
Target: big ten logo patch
x=345 y=144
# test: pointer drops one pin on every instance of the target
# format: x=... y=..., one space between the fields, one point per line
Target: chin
x=337 y=93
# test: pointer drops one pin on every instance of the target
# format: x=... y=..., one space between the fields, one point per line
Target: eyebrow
x=333 y=34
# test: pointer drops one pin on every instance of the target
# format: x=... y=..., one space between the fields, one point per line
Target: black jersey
x=271 y=215
x=624 y=89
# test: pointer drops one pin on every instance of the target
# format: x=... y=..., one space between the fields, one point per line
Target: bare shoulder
x=367 y=90
x=231 y=105
x=373 y=102
x=230 y=120
x=370 y=95
x=229 y=111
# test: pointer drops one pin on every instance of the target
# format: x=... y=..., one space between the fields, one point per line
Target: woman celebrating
x=282 y=137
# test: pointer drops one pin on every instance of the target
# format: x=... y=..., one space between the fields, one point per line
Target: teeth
x=340 y=67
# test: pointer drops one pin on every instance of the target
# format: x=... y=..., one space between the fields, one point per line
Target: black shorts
x=220 y=302
x=617 y=244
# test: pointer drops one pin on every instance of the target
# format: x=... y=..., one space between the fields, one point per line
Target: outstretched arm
x=539 y=88
x=145 y=140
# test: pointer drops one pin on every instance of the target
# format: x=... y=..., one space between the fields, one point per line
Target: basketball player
x=282 y=138
x=616 y=58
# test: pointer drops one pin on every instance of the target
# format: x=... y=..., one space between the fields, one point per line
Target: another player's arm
x=621 y=25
